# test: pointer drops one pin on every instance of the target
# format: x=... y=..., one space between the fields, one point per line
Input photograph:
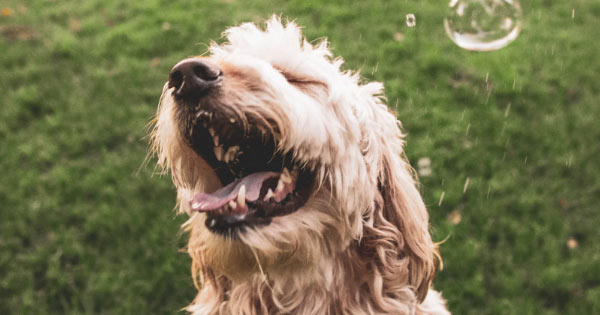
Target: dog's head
x=284 y=162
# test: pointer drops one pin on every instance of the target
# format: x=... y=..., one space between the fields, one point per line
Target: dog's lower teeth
x=285 y=177
x=269 y=195
x=211 y=222
x=231 y=152
x=219 y=153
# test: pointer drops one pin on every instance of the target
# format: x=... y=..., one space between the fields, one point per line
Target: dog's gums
x=258 y=181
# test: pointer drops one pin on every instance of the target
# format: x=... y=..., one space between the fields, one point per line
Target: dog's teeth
x=219 y=153
x=216 y=140
x=211 y=222
x=280 y=186
x=232 y=204
x=212 y=132
x=269 y=195
x=232 y=120
x=285 y=177
x=196 y=205
x=241 y=198
x=227 y=156
x=230 y=155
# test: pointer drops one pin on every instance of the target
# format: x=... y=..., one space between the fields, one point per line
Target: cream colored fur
x=361 y=243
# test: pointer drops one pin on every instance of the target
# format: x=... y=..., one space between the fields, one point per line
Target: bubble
x=483 y=25
x=411 y=20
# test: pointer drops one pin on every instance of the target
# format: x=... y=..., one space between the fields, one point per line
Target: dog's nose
x=193 y=77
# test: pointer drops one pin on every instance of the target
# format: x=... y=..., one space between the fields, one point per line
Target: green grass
x=86 y=228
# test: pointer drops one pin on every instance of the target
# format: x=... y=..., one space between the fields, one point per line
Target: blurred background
x=507 y=144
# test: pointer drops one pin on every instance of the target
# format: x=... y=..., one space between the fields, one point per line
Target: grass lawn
x=513 y=137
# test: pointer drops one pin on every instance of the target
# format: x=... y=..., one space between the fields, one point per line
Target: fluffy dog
x=294 y=178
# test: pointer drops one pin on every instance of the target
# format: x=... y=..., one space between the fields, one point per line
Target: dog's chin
x=260 y=249
x=259 y=181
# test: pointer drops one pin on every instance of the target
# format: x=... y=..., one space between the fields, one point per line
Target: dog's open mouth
x=259 y=182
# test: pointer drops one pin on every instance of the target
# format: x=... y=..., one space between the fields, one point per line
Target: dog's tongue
x=204 y=202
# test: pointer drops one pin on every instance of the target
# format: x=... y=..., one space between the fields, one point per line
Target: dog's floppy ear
x=403 y=207
x=397 y=234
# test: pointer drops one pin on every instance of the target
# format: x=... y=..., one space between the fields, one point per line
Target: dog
x=292 y=172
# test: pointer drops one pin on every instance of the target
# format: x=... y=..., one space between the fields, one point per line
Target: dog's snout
x=193 y=77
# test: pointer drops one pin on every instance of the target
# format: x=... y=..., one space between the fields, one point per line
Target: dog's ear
x=403 y=207
x=397 y=234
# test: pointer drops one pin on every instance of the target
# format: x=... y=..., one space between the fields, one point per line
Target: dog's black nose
x=193 y=77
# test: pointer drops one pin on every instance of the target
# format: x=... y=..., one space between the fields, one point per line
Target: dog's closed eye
x=299 y=80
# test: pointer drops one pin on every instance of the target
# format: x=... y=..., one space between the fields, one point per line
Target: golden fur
x=361 y=243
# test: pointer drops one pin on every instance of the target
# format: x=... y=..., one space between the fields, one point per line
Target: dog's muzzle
x=192 y=78
x=259 y=181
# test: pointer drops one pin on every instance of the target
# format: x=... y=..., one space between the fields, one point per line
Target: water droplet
x=569 y=161
x=424 y=167
x=507 y=111
x=483 y=25
x=411 y=20
x=441 y=198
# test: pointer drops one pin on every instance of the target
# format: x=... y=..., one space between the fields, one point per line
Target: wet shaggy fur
x=361 y=243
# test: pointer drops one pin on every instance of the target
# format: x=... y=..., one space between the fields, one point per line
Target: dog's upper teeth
x=241 y=198
x=269 y=195
x=211 y=131
x=219 y=153
x=232 y=120
x=285 y=177
x=232 y=204
x=280 y=186
x=216 y=140
x=231 y=152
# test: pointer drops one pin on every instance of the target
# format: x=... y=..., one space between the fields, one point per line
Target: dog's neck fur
x=345 y=285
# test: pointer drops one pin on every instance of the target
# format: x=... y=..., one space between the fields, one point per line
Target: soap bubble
x=411 y=20
x=483 y=25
